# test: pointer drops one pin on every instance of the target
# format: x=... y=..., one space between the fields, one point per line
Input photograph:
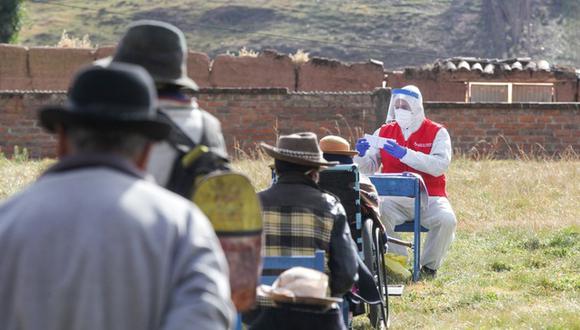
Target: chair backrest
x=405 y=185
x=274 y=265
x=396 y=185
x=343 y=182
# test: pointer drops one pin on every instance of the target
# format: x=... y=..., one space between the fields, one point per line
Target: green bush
x=10 y=17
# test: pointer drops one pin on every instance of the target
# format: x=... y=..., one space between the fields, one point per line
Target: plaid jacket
x=300 y=218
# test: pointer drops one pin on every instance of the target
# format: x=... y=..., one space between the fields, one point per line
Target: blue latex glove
x=394 y=149
x=362 y=145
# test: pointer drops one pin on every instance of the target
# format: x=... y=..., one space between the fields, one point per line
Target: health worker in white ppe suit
x=421 y=146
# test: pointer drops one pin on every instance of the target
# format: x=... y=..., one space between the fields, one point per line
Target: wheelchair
x=369 y=234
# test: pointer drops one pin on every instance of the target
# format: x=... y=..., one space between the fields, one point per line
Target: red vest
x=421 y=141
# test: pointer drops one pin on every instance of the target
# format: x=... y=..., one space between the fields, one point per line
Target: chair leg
x=417 y=232
x=416 y=256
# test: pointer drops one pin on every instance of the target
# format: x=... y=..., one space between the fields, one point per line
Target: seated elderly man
x=336 y=148
x=300 y=218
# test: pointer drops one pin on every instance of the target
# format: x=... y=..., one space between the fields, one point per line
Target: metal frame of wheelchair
x=372 y=248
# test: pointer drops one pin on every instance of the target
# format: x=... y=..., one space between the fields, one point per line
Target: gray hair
x=128 y=144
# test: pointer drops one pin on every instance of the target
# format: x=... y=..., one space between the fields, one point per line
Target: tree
x=10 y=15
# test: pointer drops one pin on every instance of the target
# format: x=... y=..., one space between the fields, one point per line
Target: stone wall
x=249 y=116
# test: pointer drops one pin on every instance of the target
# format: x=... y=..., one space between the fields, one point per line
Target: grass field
x=515 y=263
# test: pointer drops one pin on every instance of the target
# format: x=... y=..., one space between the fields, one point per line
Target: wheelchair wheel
x=381 y=272
x=370 y=258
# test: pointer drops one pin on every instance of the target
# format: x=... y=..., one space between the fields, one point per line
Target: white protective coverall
x=438 y=216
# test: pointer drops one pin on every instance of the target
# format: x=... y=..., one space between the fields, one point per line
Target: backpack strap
x=177 y=137
x=204 y=140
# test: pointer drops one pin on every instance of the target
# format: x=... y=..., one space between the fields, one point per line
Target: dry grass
x=515 y=262
x=300 y=57
x=488 y=194
x=17 y=172
x=67 y=41
x=245 y=52
x=498 y=193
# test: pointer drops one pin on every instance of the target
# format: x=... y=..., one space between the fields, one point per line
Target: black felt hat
x=157 y=46
x=120 y=96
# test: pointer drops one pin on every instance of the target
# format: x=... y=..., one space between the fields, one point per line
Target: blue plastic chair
x=405 y=185
x=274 y=265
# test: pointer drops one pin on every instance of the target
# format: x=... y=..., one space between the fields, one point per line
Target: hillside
x=398 y=32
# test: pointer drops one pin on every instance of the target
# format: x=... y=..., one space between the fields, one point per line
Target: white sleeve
x=437 y=161
x=370 y=163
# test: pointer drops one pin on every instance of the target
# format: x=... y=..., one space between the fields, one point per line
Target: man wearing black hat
x=299 y=218
x=91 y=244
x=161 y=49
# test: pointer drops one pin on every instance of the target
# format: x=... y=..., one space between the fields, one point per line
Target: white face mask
x=403 y=117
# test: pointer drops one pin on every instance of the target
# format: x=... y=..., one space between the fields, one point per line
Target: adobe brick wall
x=433 y=87
x=443 y=86
x=330 y=75
x=49 y=68
x=269 y=69
x=249 y=116
x=46 y=68
x=198 y=65
x=53 y=68
x=14 y=68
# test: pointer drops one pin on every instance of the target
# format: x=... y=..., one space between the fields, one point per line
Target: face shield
x=408 y=103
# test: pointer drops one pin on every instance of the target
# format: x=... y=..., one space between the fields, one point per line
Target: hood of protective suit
x=413 y=97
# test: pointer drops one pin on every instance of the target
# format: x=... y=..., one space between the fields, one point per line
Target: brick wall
x=252 y=115
x=19 y=126
x=507 y=129
x=443 y=86
x=48 y=68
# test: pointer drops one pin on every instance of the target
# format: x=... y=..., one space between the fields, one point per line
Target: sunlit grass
x=17 y=172
x=515 y=262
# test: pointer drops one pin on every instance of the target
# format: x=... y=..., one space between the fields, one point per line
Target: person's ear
x=62 y=142
x=143 y=157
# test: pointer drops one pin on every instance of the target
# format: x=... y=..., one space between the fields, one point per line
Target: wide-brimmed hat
x=332 y=144
x=121 y=96
x=299 y=285
x=298 y=148
x=157 y=46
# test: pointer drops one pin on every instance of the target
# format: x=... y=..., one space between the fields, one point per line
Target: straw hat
x=298 y=148
x=299 y=285
x=332 y=144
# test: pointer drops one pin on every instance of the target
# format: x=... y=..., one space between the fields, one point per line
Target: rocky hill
x=398 y=32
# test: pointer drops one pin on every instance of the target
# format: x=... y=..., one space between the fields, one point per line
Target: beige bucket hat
x=299 y=285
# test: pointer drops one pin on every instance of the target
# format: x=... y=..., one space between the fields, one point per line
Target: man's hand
x=394 y=149
x=362 y=145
